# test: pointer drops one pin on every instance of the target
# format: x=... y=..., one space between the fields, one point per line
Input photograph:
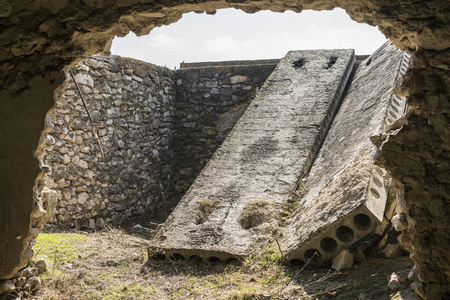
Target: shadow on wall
x=130 y=137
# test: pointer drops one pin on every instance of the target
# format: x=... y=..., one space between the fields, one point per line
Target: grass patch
x=256 y=213
x=61 y=247
x=205 y=209
x=113 y=265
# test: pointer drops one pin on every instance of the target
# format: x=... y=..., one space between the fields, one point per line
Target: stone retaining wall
x=156 y=128
x=131 y=106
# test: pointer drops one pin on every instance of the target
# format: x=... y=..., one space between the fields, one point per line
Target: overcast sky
x=234 y=35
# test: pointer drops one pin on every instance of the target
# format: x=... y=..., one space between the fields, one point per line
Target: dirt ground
x=114 y=264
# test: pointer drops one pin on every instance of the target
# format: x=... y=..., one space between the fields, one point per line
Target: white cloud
x=162 y=40
x=226 y=44
x=233 y=35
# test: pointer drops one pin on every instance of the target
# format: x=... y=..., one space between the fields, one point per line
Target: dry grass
x=113 y=265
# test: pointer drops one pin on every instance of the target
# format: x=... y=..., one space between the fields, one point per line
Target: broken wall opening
x=411 y=34
x=209 y=99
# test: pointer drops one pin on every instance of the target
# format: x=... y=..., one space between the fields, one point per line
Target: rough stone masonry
x=152 y=131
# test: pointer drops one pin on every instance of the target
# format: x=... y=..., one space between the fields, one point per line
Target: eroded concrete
x=235 y=203
x=343 y=197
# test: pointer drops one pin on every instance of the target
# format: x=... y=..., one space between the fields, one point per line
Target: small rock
x=412 y=275
x=400 y=222
x=7 y=286
x=33 y=284
x=394 y=283
x=343 y=261
x=91 y=224
x=100 y=223
x=28 y=272
x=359 y=255
x=417 y=287
x=393 y=251
x=82 y=198
x=20 y=282
x=238 y=79
x=41 y=265
x=84 y=79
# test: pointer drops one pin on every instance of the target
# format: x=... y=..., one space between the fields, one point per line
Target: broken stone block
x=41 y=265
x=393 y=251
x=412 y=275
x=33 y=284
x=28 y=272
x=20 y=282
x=91 y=224
x=7 y=286
x=359 y=255
x=234 y=204
x=344 y=195
x=343 y=261
x=394 y=283
x=400 y=222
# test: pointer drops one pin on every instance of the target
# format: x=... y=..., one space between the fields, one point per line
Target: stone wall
x=131 y=106
x=211 y=97
x=152 y=131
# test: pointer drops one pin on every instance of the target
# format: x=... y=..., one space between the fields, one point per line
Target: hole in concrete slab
x=158 y=256
x=375 y=193
x=331 y=61
x=362 y=222
x=377 y=181
x=297 y=262
x=392 y=114
x=214 y=259
x=379 y=171
x=194 y=258
x=255 y=213
x=328 y=245
x=177 y=257
x=395 y=108
x=314 y=255
x=368 y=62
x=299 y=63
x=232 y=261
x=390 y=120
x=345 y=234
x=205 y=209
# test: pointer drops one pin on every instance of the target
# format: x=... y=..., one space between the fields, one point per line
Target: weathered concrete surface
x=211 y=97
x=344 y=195
x=235 y=203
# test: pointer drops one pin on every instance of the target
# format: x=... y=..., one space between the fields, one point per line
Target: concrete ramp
x=343 y=197
x=237 y=200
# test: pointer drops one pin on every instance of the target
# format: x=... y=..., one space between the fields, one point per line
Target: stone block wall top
x=234 y=204
x=229 y=63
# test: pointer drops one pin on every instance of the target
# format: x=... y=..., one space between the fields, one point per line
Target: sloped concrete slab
x=344 y=195
x=236 y=202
